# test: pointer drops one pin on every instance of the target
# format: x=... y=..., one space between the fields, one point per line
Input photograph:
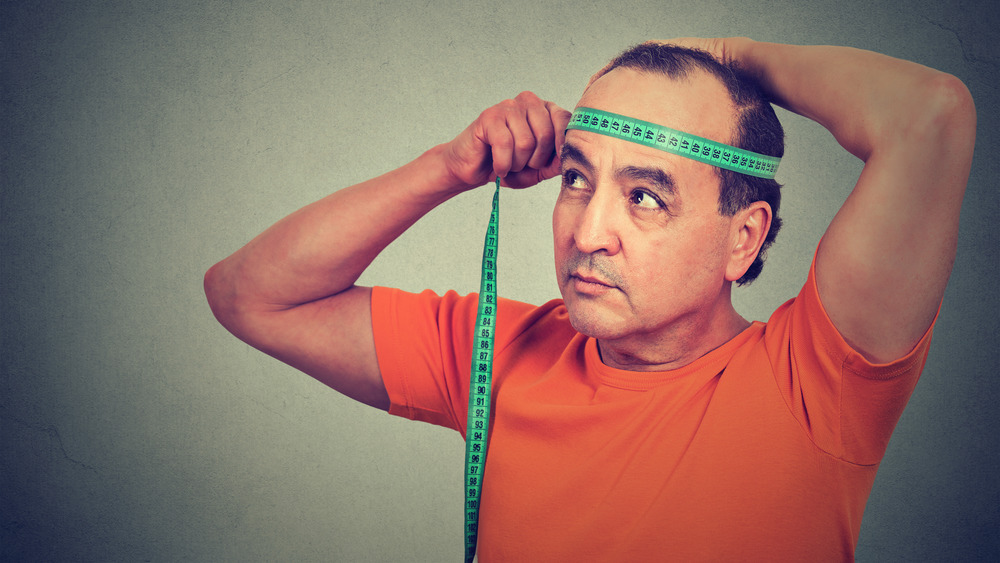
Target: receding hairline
x=735 y=111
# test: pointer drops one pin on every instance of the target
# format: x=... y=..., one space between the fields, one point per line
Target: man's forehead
x=586 y=144
x=612 y=155
x=621 y=160
x=697 y=104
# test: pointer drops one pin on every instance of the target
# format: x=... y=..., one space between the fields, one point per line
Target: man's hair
x=757 y=128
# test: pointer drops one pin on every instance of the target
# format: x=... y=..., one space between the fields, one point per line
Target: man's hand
x=517 y=140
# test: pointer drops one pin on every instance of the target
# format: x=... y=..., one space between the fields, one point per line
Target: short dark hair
x=757 y=128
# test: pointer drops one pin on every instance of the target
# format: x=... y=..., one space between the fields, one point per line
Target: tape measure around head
x=478 y=421
x=673 y=141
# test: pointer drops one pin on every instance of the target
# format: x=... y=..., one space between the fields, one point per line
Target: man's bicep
x=884 y=262
x=331 y=340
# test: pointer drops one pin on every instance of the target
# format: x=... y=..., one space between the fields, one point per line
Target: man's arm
x=290 y=291
x=884 y=261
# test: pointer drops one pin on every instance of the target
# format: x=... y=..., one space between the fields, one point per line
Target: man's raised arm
x=290 y=291
x=884 y=261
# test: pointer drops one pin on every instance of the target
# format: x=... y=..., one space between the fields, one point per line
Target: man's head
x=665 y=233
x=755 y=127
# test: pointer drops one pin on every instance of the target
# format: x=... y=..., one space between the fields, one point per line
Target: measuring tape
x=674 y=141
x=478 y=422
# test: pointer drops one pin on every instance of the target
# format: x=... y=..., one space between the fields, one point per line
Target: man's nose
x=597 y=229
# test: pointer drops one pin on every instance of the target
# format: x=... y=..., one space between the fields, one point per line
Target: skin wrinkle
x=659 y=179
x=754 y=127
x=595 y=263
x=673 y=301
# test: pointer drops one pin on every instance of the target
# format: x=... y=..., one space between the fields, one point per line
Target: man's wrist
x=439 y=183
x=738 y=49
x=745 y=53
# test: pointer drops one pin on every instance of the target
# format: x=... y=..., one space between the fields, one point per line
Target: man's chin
x=592 y=322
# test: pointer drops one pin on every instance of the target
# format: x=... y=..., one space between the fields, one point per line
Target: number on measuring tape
x=674 y=141
x=480 y=381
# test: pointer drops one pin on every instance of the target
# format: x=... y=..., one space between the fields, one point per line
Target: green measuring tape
x=478 y=421
x=674 y=141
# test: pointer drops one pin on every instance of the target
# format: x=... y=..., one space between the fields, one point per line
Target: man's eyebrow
x=570 y=152
x=657 y=179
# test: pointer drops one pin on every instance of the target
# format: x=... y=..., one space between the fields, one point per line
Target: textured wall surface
x=142 y=143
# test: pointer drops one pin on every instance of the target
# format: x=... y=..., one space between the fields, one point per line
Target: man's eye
x=572 y=180
x=644 y=200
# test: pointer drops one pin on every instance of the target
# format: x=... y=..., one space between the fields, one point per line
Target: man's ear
x=749 y=229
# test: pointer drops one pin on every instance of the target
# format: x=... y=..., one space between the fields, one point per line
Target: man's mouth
x=591 y=279
x=589 y=284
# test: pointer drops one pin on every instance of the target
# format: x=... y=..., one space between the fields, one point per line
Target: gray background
x=142 y=143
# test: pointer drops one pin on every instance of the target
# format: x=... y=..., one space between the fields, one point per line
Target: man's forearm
x=864 y=99
x=322 y=249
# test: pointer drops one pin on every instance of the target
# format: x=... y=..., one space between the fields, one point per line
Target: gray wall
x=141 y=144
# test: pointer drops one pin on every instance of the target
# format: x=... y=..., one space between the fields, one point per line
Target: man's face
x=641 y=249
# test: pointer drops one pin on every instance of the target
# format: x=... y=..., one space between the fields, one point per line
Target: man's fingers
x=545 y=136
x=496 y=136
x=522 y=134
x=522 y=137
x=559 y=118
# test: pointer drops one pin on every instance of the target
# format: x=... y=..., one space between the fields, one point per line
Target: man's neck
x=684 y=342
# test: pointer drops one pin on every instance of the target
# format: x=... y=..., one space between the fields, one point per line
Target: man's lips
x=591 y=279
x=589 y=284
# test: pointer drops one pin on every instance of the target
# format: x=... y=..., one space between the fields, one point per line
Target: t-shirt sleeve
x=424 y=347
x=848 y=405
x=415 y=344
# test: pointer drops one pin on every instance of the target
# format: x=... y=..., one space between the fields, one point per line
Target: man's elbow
x=948 y=113
x=222 y=296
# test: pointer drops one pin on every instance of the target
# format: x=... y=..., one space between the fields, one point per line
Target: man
x=641 y=417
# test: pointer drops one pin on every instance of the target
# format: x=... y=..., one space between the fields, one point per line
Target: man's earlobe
x=750 y=227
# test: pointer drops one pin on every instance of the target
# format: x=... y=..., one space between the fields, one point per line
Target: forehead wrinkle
x=569 y=151
x=654 y=177
x=657 y=178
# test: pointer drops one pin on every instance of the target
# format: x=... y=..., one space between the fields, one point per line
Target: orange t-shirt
x=763 y=449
